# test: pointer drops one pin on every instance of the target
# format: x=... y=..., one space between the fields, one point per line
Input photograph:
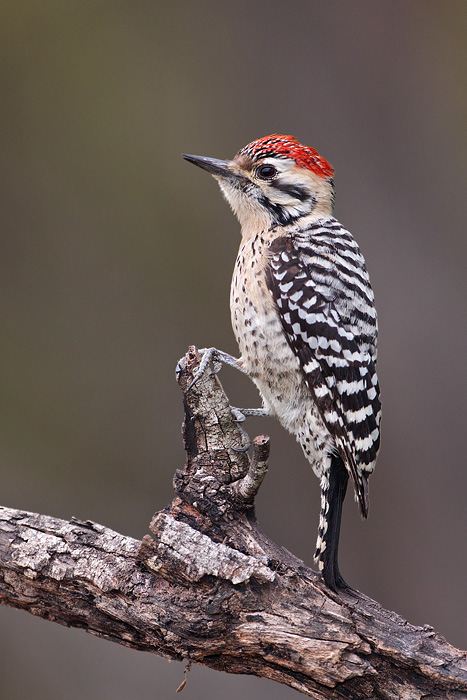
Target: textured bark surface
x=207 y=585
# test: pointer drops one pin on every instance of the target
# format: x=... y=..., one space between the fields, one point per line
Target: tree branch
x=210 y=587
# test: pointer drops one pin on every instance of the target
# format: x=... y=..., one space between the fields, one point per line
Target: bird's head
x=273 y=181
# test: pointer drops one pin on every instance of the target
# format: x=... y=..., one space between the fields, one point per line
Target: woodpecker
x=303 y=314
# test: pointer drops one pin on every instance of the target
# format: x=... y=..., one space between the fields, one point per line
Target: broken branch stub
x=219 y=476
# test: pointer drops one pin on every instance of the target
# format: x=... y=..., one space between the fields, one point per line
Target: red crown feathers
x=281 y=146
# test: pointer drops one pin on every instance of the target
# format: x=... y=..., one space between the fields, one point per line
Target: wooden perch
x=210 y=587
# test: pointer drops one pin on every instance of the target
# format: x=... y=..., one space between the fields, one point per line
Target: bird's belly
x=273 y=367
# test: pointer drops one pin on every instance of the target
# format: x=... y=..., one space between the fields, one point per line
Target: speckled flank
x=266 y=353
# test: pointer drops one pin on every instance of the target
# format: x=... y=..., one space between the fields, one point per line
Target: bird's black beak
x=219 y=168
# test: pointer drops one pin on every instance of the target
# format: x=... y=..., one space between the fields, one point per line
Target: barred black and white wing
x=323 y=296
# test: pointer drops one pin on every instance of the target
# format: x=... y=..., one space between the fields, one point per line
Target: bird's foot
x=241 y=413
x=218 y=358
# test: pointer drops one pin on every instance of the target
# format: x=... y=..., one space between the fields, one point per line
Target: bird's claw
x=239 y=417
x=208 y=355
x=245 y=448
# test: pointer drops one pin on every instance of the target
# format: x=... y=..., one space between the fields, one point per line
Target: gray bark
x=208 y=586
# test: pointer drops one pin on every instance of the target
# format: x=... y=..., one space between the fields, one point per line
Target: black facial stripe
x=280 y=214
x=294 y=191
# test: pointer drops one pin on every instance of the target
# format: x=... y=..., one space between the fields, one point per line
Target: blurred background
x=116 y=255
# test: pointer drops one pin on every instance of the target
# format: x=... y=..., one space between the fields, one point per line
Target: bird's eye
x=266 y=172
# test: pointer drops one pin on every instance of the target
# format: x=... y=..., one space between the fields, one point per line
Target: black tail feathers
x=333 y=489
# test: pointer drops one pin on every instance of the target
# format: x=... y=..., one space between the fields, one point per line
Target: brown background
x=116 y=255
